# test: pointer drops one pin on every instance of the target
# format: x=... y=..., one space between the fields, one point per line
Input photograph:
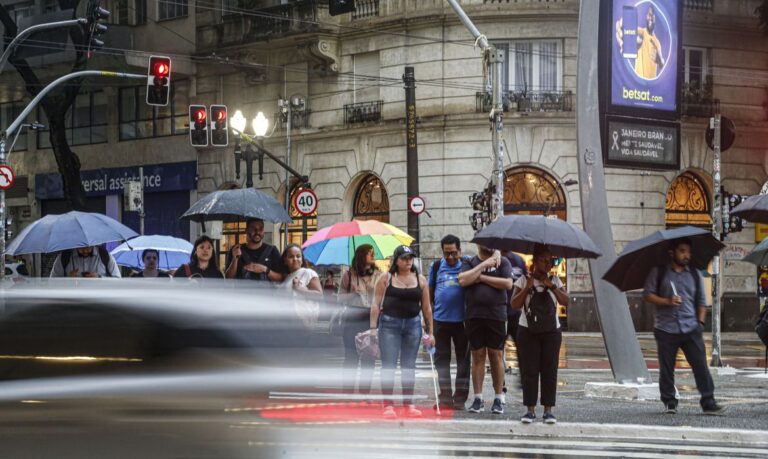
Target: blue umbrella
x=54 y=233
x=174 y=252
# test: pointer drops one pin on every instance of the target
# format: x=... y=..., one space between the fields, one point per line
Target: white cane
x=430 y=351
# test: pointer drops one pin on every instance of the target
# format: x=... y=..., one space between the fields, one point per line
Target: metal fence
x=528 y=101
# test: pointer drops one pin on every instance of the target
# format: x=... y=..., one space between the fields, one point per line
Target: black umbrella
x=236 y=205
x=637 y=259
x=753 y=209
x=520 y=233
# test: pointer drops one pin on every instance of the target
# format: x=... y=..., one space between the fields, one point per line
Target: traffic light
x=93 y=28
x=336 y=7
x=198 y=125
x=735 y=224
x=158 y=80
x=219 y=128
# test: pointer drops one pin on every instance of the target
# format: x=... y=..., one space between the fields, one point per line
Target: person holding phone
x=85 y=262
x=676 y=289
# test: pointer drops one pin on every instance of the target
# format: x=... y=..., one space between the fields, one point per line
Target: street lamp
x=260 y=125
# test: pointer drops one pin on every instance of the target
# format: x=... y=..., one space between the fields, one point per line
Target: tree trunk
x=66 y=159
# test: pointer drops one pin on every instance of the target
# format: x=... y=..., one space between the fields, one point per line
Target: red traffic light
x=219 y=129
x=221 y=115
x=199 y=115
x=161 y=69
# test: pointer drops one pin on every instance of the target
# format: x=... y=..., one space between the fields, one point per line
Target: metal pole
x=141 y=209
x=411 y=153
x=717 y=225
x=32 y=29
x=482 y=40
x=3 y=159
x=287 y=177
x=496 y=62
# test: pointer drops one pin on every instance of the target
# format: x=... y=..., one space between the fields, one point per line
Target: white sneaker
x=503 y=398
x=413 y=412
x=389 y=412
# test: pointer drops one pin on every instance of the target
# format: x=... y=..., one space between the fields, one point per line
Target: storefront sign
x=645 y=49
x=102 y=182
x=642 y=144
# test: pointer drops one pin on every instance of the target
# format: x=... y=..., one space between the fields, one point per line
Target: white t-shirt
x=539 y=286
x=307 y=309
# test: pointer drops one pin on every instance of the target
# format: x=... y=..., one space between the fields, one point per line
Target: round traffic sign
x=727 y=134
x=6 y=177
x=417 y=205
x=305 y=202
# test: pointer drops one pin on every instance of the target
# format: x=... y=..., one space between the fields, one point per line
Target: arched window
x=371 y=200
x=532 y=191
x=688 y=202
x=302 y=227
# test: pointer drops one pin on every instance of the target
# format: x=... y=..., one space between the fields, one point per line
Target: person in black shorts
x=486 y=279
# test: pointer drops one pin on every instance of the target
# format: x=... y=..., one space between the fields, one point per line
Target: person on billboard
x=649 y=60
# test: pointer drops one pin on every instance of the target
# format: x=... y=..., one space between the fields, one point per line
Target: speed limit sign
x=305 y=202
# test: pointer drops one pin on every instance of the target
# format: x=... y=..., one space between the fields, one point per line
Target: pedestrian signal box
x=158 y=80
x=219 y=127
x=198 y=125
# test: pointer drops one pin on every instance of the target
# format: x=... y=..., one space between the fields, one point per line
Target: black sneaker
x=528 y=418
x=714 y=409
x=549 y=418
x=671 y=408
x=497 y=407
x=477 y=406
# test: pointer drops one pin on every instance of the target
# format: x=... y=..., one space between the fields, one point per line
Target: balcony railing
x=697 y=100
x=272 y=22
x=699 y=5
x=365 y=9
x=700 y=108
x=529 y=101
x=363 y=112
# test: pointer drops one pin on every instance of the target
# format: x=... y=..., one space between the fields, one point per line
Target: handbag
x=367 y=345
x=339 y=316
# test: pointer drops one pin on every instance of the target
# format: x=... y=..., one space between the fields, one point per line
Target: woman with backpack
x=202 y=262
x=538 y=334
x=356 y=293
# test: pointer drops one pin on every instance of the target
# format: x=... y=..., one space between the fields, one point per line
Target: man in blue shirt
x=448 y=318
x=677 y=292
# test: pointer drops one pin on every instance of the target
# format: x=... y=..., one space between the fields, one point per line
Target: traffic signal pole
x=494 y=63
x=412 y=155
x=36 y=28
x=717 y=227
x=16 y=124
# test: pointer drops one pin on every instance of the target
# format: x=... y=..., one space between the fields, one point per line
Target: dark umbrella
x=236 y=205
x=520 y=233
x=753 y=209
x=637 y=259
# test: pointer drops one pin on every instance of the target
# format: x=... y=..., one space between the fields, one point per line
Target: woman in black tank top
x=401 y=298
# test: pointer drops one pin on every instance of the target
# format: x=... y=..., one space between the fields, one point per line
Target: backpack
x=661 y=271
x=541 y=312
x=761 y=328
x=66 y=257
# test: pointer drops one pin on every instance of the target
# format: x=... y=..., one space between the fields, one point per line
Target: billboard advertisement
x=645 y=51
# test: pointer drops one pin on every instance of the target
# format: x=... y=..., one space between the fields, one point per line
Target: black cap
x=402 y=250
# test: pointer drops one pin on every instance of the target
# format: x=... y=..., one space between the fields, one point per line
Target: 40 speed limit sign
x=305 y=202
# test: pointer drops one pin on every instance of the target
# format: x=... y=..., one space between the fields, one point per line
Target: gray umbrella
x=759 y=254
x=637 y=259
x=521 y=233
x=236 y=205
x=753 y=209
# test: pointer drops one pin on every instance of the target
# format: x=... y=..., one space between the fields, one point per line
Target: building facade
x=349 y=135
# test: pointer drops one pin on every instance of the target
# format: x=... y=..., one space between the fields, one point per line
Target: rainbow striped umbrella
x=336 y=244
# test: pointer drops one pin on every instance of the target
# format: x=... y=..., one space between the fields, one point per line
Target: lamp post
x=260 y=125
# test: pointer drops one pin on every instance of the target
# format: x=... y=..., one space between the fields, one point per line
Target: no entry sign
x=305 y=202
x=6 y=177
x=417 y=205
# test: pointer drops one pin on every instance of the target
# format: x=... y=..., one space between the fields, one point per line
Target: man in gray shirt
x=677 y=292
x=85 y=262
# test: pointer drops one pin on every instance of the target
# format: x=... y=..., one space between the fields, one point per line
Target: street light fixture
x=238 y=123
x=260 y=125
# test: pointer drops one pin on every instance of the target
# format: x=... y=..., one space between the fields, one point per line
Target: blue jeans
x=399 y=338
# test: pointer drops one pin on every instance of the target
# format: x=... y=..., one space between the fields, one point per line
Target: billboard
x=645 y=53
x=642 y=143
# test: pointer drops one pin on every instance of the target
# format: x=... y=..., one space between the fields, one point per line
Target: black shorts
x=486 y=333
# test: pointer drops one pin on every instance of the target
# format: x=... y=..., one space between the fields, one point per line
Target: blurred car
x=139 y=329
